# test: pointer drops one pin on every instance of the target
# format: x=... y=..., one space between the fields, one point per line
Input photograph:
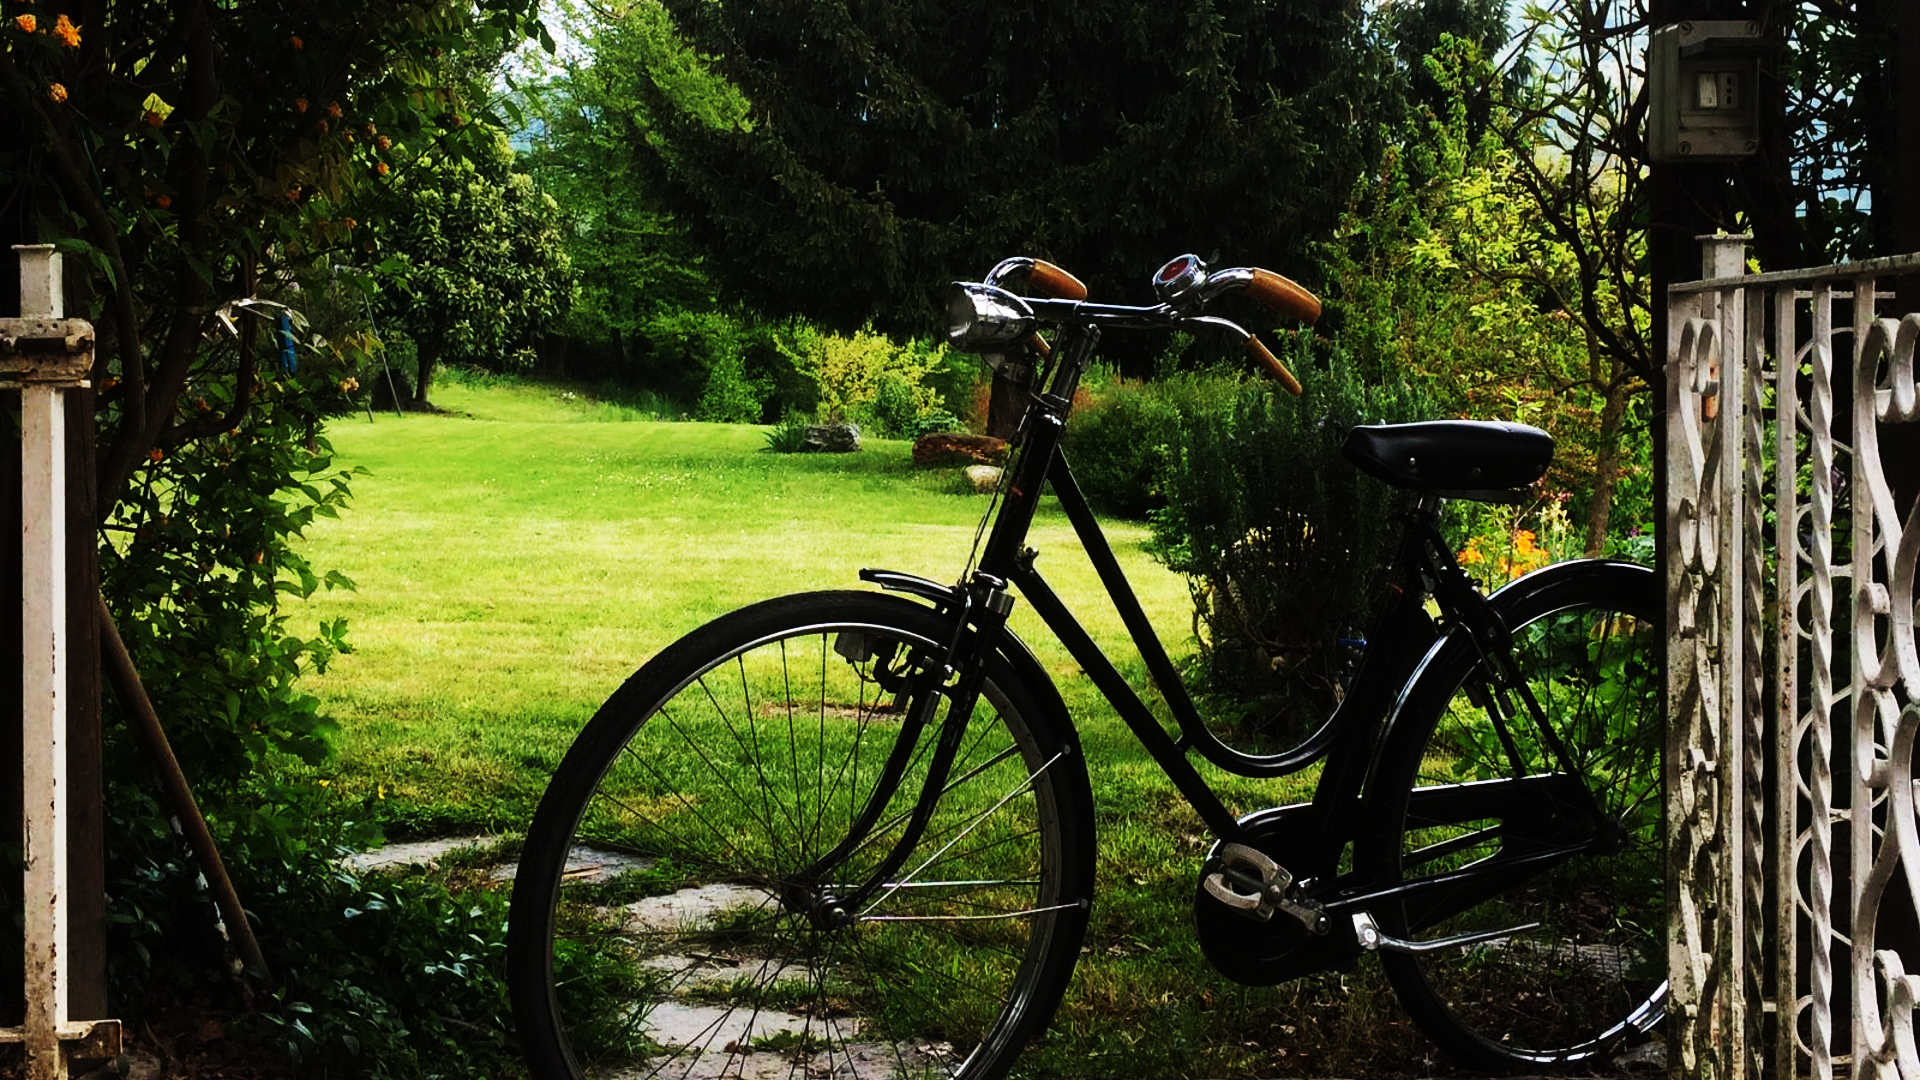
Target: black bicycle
x=850 y=833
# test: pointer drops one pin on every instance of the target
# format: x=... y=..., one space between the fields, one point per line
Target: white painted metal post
x=43 y=735
x=45 y=354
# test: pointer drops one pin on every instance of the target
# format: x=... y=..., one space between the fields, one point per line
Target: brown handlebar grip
x=1284 y=295
x=1049 y=280
x=1260 y=352
x=1039 y=345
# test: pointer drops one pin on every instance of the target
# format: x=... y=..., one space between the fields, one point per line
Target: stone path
x=721 y=1038
x=426 y=853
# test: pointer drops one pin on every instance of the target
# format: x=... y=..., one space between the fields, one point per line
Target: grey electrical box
x=1701 y=100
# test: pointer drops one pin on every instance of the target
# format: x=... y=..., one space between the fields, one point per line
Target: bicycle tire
x=1590 y=980
x=652 y=878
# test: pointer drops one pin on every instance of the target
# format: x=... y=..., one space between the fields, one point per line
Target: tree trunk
x=1007 y=401
x=427 y=358
x=1606 y=466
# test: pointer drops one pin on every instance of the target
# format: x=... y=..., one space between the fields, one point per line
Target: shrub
x=896 y=405
x=789 y=436
x=684 y=347
x=1281 y=539
x=934 y=423
x=729 y=396
x=1119 y=439
x=769 y=349
x=867 y=379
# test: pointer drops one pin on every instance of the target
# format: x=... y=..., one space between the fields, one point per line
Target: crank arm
x=1371 y=938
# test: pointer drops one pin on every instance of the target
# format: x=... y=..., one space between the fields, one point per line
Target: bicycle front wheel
x=1558 y=831
x=671 y=916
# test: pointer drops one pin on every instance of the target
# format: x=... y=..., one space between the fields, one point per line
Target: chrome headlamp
x=982 y=318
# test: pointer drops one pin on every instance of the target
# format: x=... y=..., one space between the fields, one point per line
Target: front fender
x=1026 y=666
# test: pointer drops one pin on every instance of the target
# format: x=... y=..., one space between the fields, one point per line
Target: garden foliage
x=185 y=158
x=1282 y=541
x=474 y=268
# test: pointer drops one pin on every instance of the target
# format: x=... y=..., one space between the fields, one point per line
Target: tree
x=1507 y=270
x=886 y=149
x=633 y=260
x=477 y=268
x=188 y=157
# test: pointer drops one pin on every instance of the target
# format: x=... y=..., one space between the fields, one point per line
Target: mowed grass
x=520 y=555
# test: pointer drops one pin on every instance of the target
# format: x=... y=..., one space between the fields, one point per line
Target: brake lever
x=1241 y=332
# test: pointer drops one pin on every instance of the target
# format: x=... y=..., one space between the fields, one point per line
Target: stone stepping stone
x=694 y=972
x=690 y=907
x=584 y=865
x=425 y=853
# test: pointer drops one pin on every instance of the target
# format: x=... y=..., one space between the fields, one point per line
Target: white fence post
x=45 y=354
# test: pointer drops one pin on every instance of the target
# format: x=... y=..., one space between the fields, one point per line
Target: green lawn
x=519 y=556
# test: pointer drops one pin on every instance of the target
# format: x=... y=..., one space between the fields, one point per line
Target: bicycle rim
x=676 y=932
x=1582 y=971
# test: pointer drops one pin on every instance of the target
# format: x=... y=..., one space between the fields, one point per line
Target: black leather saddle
x=1463 y=458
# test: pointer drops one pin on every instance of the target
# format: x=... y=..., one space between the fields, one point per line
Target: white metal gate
x=1793 y=685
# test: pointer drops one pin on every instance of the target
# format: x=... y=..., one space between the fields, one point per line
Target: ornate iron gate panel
x=1793 y=686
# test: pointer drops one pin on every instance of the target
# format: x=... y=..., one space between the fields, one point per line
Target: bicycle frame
x=1400 y=638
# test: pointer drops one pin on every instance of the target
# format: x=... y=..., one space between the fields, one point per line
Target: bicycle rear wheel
x=1576 y=849
x=663 y=922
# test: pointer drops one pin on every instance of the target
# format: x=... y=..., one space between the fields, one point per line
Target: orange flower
x=320 y=126
x=333 y=109
x=350 y=224
x=56 y=93
x=299 y=104
x=27 y=23
x=383 y=143
x=155 y=456
x=68 y=33
x=163 y=201
x=381 y=168
x=296 y=43
x=372 y=131
x=154 y=119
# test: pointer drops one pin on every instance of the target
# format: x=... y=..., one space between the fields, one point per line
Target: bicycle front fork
x=955 y=672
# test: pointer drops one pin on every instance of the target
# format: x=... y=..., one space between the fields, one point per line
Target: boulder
x=832 y=439
x=949 y=448
x=984 y=478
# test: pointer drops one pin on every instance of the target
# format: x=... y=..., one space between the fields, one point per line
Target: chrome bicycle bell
x=1177 y=284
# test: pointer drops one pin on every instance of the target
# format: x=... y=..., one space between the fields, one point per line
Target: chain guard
x=1258 y=952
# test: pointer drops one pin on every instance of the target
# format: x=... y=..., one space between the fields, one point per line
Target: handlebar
x=987 y=315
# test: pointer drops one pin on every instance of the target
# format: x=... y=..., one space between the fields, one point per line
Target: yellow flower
x=27 y=23
x=68 y=33
x=56 y=92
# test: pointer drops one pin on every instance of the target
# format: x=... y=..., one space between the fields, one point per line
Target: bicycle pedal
x=1373 y=939
x=1248 y=881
